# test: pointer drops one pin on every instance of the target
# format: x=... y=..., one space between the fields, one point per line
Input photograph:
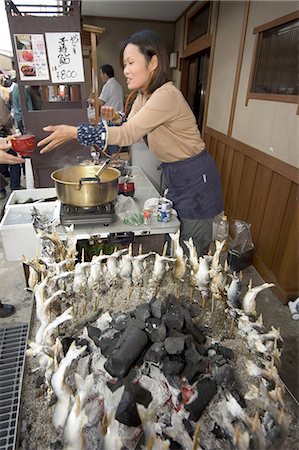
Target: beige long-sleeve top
x=168 y=122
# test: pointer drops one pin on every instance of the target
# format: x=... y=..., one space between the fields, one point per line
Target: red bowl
x=24 y=145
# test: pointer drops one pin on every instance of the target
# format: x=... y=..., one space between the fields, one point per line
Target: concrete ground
x=274 y=313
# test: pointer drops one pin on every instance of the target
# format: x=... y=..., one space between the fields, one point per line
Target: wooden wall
x=264 y=192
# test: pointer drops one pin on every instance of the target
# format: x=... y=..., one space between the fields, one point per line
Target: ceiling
x=148 y=10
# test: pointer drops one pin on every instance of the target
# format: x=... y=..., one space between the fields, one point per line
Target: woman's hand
x=109 y=113
x=6 y=158
x=60 y=134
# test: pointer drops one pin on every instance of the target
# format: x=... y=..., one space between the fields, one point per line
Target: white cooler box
x=21 y=197
x=17 y=232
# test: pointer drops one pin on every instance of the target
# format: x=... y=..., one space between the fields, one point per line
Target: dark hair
x=108 y=70
x=150 y=44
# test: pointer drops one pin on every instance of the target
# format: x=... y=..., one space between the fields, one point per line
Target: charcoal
x=196 y=332
x=136 y=322
x=39 y=381
x=126 y=412
x=118 y=382
x=158 y=334
x=173 y=320
x=206 y=389
x=158 y=308
x=155 y=353
x=94 y=334
x=107 y=345
x=227 y=353
x=224 y=375
x=172 y=366
x=57 y=445
x=152 y=322
x=142 y=312
x=191 y=353
x=66 y=343
x=192 y=371
x=174 y=345
x=120 y=321
x=126 y=351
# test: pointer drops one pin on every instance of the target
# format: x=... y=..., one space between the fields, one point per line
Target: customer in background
x=17 y=108
x=160 y=113
x=112 y=95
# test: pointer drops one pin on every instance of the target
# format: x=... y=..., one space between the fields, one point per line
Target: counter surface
x=19 y=237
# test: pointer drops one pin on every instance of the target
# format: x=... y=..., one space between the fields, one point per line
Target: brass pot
x=78 y=185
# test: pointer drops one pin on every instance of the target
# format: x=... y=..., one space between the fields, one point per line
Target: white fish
x=249 y=303
x=233 y=292
x=160 y=267
x=178 y=432
x=126 y=266
x=216 y=256
x=112 y=264
x=203 y=273
x=61 y=390
x=80 y=277
x=73 y=427
x=178 y=253
x=193 y=258
x=96 y=276
x=139 y=266
x=43 y=316
x=51 y=327
x=112 y=438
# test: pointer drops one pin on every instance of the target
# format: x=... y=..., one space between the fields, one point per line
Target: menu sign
x=65 y=57
x=31 y=56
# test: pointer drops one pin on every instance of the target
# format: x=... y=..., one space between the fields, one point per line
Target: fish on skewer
x=234 y=290
x=52 y=326
x=62 y=391
x=180 y=259
x=139 y=266
x=97 y=272
x=80 y=277
x=248 y=302
x=112 y=265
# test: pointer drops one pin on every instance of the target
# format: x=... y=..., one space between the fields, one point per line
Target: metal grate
x=12 y=355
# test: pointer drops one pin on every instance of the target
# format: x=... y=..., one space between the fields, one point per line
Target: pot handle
x=88 y=180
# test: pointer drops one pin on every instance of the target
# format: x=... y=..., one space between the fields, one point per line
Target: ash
x=148 y=352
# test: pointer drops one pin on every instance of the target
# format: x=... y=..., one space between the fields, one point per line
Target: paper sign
x=31 y=56
x=65 y=57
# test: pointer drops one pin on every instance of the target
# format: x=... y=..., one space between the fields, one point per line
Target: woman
x=161 y=114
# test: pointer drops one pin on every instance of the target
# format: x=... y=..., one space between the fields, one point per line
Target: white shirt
x=113 y=95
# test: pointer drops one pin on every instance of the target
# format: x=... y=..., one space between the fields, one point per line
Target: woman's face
x=137 y=70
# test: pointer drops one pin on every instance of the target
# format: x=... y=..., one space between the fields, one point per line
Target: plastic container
x=164 y=210
x=222 y=231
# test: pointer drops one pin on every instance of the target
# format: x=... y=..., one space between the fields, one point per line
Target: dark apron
x=194 y=186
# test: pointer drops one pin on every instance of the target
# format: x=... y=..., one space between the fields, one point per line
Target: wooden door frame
x=206 y=42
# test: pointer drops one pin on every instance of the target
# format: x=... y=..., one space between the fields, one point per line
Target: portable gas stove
x=101 y=214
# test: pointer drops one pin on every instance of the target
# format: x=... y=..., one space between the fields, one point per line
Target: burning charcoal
x=155 y=353
x=116 y=383
x=142 y=312
x=120 y=321
x=157 y=308
x=173 y=319
x=156 y=330
x=172 y=366
x=206 y=389
x=174 y=345
x=126 y=412
x=107 y=345
x=126 y=351
x=192 y=371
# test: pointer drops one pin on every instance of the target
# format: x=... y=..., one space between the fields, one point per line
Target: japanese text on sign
x=65 y=57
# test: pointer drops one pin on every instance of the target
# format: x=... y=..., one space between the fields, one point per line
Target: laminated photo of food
x=23 y=42
x=25 y=56
x=28 y=70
